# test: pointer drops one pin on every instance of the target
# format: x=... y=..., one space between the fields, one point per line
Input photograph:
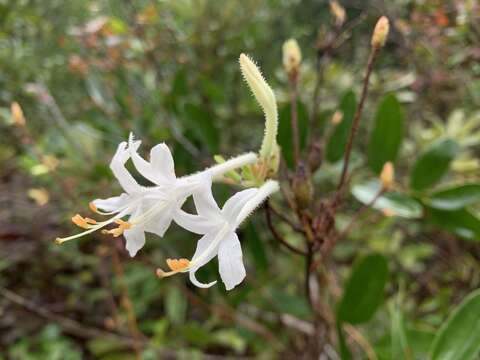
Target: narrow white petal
x=159 y=224
x=203 y=254
x=117 y=165
x=204 y=201
x=135 y=239
x=113 y=203
x=161 y=161
x=234 y=205
x=194 y=223
x=232 y=270
x=146 y=169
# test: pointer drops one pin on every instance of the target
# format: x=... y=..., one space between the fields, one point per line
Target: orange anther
x=92 y=206
x=122 y=226
x=80 y=221
x=178 y=264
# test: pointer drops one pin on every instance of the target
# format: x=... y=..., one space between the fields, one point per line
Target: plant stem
x=293 y=80
x=358 y=113
x=275 y=233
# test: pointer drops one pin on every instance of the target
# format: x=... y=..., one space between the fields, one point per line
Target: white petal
x=204 y=201
x=135 y=239
x=111 y=204
x=194 y=223
x=148 y=171
x=160 y=223
x=234 y=205
x=206 y=253
x=232 y=270
x=117 y=165
x=161 y=161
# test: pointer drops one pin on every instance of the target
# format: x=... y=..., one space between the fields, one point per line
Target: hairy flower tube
x=218 y=227
x=269 y=151
x=148 y=208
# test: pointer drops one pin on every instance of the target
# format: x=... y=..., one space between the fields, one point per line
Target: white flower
x=150 y=209
x=219 y=237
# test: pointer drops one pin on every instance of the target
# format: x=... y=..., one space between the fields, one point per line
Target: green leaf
x=338 y=140
x=364 y=290
x=201 y=123
x=284 y=138
x=255 y=245
x=401 y=204
x=387 y=134
x=432 y=165
x=175 y=306
x=455 y=198
x=459 y=336
x=460 y=222
x=345 y=353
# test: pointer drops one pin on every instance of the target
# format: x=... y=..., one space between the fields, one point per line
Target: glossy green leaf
x=387 y=134
x=460 y=222
x=201 y=123
x=455 y=198
x=459 y=336
x=337 y=142
x=364 y=290
x=432 y=165
x=401 y=204
x=284 y=138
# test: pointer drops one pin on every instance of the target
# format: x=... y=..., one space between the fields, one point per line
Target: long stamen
x=93 y=227
x=122 y=226
x=175 y=265
x=149 y=214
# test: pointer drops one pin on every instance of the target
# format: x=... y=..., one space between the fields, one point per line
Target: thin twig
x=287 y=220
x=294 y=117
x=308 y=264
x=328 y=245
x=359 y=212
x=276 y=234
x=358 y=337
x=358 y=113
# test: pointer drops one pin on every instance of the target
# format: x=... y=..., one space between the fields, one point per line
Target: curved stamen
x=175 y=265
x=94 y=227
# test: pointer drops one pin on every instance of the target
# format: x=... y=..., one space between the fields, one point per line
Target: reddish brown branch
x=356 y=119
x=277 y=235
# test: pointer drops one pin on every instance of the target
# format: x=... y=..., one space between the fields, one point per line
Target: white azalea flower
x=150 y=209
x=219 y=237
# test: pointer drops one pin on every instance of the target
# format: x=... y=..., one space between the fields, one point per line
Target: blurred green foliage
x=86 y=73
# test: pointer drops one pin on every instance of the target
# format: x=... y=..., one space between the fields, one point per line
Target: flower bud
x=380 y=32
x=315 y=155
x=17 y=114
x=387 y=175
x=337 y=117
x=302 y=186
x=338 y=11
x=292 y=56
